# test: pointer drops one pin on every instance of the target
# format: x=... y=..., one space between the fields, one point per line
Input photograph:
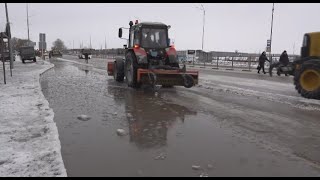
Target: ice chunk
x=196 y=167
x=84 y=117
x=121 y=132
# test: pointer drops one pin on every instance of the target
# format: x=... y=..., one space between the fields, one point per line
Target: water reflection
x=149 y=116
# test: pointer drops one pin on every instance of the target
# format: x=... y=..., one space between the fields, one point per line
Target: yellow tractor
x=306 y=69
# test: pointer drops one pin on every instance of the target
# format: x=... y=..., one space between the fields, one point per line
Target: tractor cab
x=151 y=44
x=310 y=45
x=149 y=35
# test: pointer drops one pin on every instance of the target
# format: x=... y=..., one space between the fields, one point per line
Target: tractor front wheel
x=118 y=70
x=307 y=81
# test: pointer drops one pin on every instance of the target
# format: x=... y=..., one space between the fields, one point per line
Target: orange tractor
x=149 y=59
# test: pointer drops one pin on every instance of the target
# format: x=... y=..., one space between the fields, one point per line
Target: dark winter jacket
x=284 y=59
x=86 y=55
x=262 y=59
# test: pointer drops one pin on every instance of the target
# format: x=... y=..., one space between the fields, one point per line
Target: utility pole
x=2 y=55
x=90 y=43
x=294 y=44
x=271 y=33
x=9 y=40
x=204 y=14
x=28 y=22
x=105 y=46
x=105 y=43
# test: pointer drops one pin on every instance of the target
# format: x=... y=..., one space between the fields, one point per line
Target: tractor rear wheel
x=131 y=67
x=118 y=70
x=307 y=81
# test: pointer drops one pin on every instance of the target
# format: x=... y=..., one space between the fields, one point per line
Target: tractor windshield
x=154 y=38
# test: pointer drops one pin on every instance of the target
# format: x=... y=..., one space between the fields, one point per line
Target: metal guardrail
x=245 y=63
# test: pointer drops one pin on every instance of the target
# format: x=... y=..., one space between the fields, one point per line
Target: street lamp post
x=28 y=21
x=271 y=32
x=204 y=14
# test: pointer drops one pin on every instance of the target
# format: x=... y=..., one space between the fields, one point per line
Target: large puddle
x=163 y=138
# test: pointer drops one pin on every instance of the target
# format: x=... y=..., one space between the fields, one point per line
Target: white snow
x=274 y=91
x=29 y=139
x=255 y=83
x=67 y=60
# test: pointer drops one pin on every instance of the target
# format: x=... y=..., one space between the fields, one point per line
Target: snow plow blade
x=168 y=77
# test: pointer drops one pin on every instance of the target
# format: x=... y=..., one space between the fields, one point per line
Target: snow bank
x=278 y=92
x=29 y=137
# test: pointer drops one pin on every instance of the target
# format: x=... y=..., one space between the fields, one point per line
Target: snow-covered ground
x=29 y=139
x=282 y=92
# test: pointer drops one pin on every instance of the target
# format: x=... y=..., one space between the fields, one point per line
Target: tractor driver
x=148 y=40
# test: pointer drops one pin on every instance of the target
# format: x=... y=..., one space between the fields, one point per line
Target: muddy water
x=164 y=137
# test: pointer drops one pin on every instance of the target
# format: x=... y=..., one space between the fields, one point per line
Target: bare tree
x=58 y=45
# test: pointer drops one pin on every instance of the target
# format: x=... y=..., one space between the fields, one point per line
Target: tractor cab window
x=305 y=41
x=154 y=38
x=305 y=49
x=136 y=38
x=132 y=36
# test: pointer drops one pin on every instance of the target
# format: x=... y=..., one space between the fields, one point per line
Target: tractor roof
x=151 y=24
x=315 y=36
x=313 y=33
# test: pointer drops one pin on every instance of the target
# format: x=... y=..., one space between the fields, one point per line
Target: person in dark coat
x=262 y=59
x=284 y=59
x=86 y=56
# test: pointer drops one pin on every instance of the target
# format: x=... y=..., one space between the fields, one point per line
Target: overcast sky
x=228 y=27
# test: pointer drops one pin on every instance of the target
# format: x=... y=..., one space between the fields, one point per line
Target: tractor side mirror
x=120 y=33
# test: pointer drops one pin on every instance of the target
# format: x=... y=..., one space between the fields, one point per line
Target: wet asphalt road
x=223 y=130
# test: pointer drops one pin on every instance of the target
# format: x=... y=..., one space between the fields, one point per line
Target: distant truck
x=83 y=52
x=27 y=53
x=55 y=53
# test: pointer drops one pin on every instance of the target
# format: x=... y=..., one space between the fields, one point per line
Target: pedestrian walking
x=262 y=59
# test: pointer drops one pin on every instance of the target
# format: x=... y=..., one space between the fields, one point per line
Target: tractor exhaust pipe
x=188 y=80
